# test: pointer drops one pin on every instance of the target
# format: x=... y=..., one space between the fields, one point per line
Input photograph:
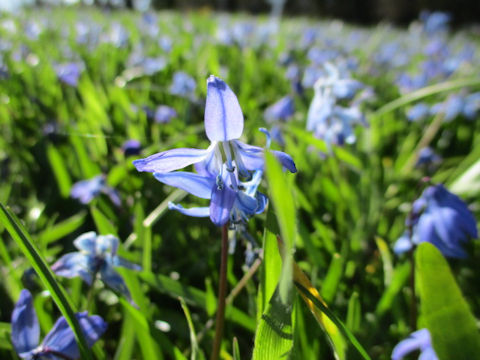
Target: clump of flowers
x=97 y=257
x=441 y=218
x=228 y=171
x=326 y=118
x=60 y=342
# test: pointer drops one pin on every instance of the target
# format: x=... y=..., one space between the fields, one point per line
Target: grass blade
x=21 y=237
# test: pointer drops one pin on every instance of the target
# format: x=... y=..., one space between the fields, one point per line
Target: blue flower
x=282 y=110
x=418 y=340
x=440 y=218
x=86 y=190
x=222 y=167
x=230 y=200
x=164 y=113
x=182 y=84
x=224 y=126
x=427 y=157
x=97 y=256
x=69 y=73
x=131 y=147
x=418 y=112
x=434 y=22
x=60 y=342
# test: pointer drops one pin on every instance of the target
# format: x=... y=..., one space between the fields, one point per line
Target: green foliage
x=444 y=310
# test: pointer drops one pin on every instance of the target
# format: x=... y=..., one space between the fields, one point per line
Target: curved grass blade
x=343 y=329
x=424 y=92
x=22 y=238
x=191 y=329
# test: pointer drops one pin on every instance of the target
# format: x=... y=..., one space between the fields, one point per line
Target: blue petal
x=118 y=261
x=262 y=202
x=246 y=204
x=112 y=279
x=418 y=340
x=86 y=242
x=194 y=184
x=248 y=157
x=195 y=212
x=73 y=265
x=25 y=328
x=286 y=161
x=170 y=160
x=62 y=340
x=106 y=244
x=223 y=115
x=221 y=205
x=402 y=245
x=113 y=195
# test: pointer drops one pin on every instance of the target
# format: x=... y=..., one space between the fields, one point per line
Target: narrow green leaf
x=274 y=337
x=104 y=226
x=191 y=329
x=62 y=228
x=399 y=278
x=282 y=198
x=24 y=242
x=142 y=332
x=236 y=349
x=59 y=170
x=333 y=278
x=5 y=342
x=354 y=313
x=444 y=311
x=343 y=329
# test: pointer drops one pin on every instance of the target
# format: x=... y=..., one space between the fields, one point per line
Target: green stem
x=222 y=291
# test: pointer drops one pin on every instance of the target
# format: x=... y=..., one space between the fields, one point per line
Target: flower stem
x=222 y=291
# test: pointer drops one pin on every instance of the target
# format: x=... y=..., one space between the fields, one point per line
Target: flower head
x=69 y=73
x=222 y=167
x=86 y=190
x=418 y=340
x=442 y=219
x=163 y=114
x=97 y=256
x=59 y=342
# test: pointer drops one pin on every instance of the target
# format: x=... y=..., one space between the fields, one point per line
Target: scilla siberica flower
x=97 y=256
x=440 y=218
x=60 y=342
x=418 y=340
x=86 y=190
x=221 y=166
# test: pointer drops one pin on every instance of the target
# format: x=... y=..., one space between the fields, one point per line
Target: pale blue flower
x=224 y=126
x=97 y=255
x=59 y=343
x=418 y=340
x=441 y=218
x=86 y=190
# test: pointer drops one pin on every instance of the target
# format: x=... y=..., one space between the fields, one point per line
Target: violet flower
x=60 y=342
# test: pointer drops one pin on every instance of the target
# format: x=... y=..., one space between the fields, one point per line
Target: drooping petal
x=62 y=340
x=118 y=261
x=195 y=184
x=113 y=279
x=86 y=242
x=113 y=195
x=171 y=160
x=195 y=212
x=223 y=115
x=25 y=328
x=73 y=265
x=262 y=202
x=418 y=340
x=286 y=161
x=246 y=204
x=221 y=205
